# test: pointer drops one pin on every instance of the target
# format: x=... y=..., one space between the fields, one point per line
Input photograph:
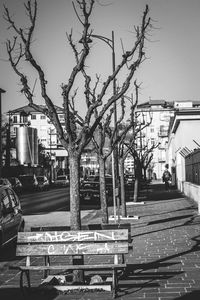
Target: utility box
x=27 y=146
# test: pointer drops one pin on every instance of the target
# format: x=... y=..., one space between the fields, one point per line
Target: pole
x=7 y=163
x=116 y=168
x=50 y=158
x=1 y=91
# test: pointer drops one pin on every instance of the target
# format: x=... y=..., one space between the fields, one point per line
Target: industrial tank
x=27 y=146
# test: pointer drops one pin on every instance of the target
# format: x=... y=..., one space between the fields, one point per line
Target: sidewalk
x=165 y=260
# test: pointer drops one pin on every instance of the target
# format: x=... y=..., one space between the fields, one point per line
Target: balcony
x=163 y=133
x=161 y=159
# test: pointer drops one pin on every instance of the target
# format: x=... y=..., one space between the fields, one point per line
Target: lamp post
x=1 y=92
x=8 y=141
x=115 y=168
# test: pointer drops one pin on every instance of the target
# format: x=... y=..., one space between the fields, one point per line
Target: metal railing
x=192 y=167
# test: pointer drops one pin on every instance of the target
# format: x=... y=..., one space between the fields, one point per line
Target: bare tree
x=136 y=149
x=127 y=137
x=147 y=156
x=73 y=139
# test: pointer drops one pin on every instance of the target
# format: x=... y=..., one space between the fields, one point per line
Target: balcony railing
x=163 y=133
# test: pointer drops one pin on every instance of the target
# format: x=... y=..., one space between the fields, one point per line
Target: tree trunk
x=102 y=183
x=135 y=196
x=75 y=218
x=136 y=184
x=145 y=173
x=123 y=200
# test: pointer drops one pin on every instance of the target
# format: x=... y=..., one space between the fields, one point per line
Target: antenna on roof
x=196 y=143
x=34 y=85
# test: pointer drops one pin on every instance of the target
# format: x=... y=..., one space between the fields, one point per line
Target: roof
x=151 y=103
x=28 y=109
x=157 y=102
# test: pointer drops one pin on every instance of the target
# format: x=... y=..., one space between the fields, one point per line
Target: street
x=45 y=201
x=37 y=206
x=49 y=201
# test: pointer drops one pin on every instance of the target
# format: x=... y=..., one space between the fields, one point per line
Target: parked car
x=16 y=184
x=90 y=189
x=61 y=181
x=5 y=181
x=43 y=183
x=29 y=182
x=11 y=219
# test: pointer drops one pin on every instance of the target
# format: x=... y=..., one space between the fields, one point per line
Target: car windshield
x=93 y=178
x=12 y=180
x=26 y=179
x=108 y=180
x=40 y=179
x=2 y=181
x=61 y=178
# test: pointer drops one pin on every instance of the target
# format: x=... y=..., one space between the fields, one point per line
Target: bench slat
x=70 y=267
x=72 y=249
x=73 y=236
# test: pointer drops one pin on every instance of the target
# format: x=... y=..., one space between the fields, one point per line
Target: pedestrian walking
x=167 y=177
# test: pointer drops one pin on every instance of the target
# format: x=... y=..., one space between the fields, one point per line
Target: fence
x=192 y=167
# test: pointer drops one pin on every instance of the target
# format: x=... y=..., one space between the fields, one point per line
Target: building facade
x=157 y=113
x=161 y=113
x=184 y=138
x=46 y=132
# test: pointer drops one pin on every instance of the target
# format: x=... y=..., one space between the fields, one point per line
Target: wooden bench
x=71 y=243
x=115 y=226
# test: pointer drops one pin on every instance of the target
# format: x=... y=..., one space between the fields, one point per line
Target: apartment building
x=46 y=132
x=160 y=112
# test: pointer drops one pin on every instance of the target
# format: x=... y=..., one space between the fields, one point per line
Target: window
x=33 y=117
x=42 y=117
x=61 y=117
x=152 y=141
x=12 y=198
x=5 y=200
x=25 y=119
x=14 y=119
x=152 y=129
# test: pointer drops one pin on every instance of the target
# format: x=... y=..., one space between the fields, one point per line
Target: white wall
x=192 y=191
x=187 y=131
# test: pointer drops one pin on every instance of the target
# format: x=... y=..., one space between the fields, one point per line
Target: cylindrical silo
x=27 y=146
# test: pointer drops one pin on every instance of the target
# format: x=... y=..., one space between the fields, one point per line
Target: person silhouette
x=166 y=177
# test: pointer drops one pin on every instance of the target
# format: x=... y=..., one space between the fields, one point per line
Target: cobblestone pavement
x=163 y=264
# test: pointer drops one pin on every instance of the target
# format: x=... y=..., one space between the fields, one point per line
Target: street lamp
x=115 y=169
x=8 y=141
x=1 y=92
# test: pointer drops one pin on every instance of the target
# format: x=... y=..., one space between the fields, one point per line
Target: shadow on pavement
x=170 y=219
x=195 y=295
x=8 y=253
x=157 y=192
x=15 y=294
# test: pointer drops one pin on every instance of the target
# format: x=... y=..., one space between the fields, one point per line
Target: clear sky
x=171 y=71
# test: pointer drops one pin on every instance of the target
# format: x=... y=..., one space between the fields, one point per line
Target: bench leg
x=25 y=284
x=47 y=263
x=123 y=259
x=114 y=283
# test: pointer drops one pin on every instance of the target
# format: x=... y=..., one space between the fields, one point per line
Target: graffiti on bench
x=66 y=236
x=78 y=249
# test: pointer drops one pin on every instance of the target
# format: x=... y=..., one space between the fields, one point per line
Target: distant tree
x=44 y=158
x=105 y=141
x=77 y=131
x=127 y=136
